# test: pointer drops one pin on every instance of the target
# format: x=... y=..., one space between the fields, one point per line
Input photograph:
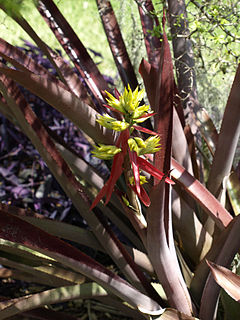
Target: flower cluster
x=132 y=113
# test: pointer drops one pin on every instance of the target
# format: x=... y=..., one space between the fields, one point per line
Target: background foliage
x=131 y=249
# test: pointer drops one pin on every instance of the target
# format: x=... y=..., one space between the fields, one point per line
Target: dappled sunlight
x=156 y=159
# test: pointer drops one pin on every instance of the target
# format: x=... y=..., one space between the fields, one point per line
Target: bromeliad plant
x=164 y=250
x=128 y=146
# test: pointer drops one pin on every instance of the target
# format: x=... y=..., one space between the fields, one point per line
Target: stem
x=132 y=197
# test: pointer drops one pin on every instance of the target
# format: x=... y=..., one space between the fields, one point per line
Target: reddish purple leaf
x=74 y=48
x=150 y=76
x=99 y=196
x=16 y=230
x=117 y=44
x=149 y=21
x=228 y=280
x=203 y=197
x=164 y=100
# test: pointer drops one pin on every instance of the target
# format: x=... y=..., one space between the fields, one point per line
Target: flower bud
x=111 y=123
x=105 y=152
x=151 y=145
x=133 y=146
x=140 y=142
x=143 y=179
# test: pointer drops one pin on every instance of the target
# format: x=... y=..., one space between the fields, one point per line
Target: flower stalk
x=129 y=150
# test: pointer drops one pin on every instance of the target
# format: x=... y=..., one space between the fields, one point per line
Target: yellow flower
x=128 y=105
x=133 y=146
x=131 y=100
x=105 y=152
x=142 y=147
x=139 y=111
x=114 y=102
x=151 y=145
x=143 y=180
x=111 y=123
x=140 y=142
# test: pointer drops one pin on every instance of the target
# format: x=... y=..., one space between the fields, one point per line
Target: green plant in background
x=186 y=234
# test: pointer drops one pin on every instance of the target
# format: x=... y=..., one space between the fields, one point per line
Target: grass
x=83 y=17
x=85 y=20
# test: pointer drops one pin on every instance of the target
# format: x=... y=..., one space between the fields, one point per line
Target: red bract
x=113 y=109
x=143 y=196
x=136 y=163
x=148 y=167
x=147 y=115
x=135 y=169
x=115 y=174
x=139 y=128
x=116 y=171
x=117 y=94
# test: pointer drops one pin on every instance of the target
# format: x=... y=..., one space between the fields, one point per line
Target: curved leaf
x=150 y=25
x=227 y=140
x=16 y=230
x=39 y=136
x=15 y=306
x=76 y=234
x=225 y=256
x=64 y=101
x=203 y=197
x=117 y=44
x=49 y=275
x=172 y=314
x=74 y=48
x=164 y=262
x=228 y=280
